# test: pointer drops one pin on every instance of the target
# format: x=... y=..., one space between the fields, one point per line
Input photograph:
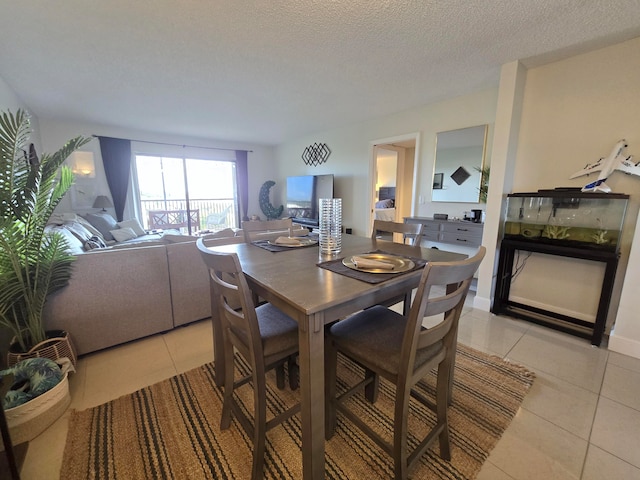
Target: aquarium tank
x=567 y=217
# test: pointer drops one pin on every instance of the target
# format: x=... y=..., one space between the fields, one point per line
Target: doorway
x=393 y=165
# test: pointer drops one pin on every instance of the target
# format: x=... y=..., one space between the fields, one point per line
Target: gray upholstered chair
x=264 y=336
x=412 y=231
x=399 y=349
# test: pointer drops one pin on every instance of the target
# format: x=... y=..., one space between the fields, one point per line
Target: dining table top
x=293 y=274
x=292 y=280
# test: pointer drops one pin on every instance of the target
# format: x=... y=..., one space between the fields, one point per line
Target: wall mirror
x=458 y=165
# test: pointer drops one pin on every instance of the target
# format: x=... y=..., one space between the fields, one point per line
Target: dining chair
x=264 y=336
x=256 y=229
x=412 y=231
x=399 y=349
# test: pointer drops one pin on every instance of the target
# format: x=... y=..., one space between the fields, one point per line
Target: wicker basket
x=58 y=345
x=30 y=419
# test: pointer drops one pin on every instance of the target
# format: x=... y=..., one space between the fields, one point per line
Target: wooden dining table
x=314 y=297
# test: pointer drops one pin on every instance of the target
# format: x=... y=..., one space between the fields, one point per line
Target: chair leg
x=218 y=349
x=259 y=424
x=452 y=367
x=280 y=376
x=330 y=376
x=294 y=372
x=406 y=306
x=227 y=399
x=400 y=432
x=372 y=388
x=442 y=405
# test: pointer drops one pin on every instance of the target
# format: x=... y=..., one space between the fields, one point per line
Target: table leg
x=311 y=339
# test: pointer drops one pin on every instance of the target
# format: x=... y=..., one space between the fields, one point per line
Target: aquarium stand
x=574 y=326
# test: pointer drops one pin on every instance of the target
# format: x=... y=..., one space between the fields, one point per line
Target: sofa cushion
x=78 y=230
x=103 y=222
x=75 y=245
x=123 y=234
x=134 y=225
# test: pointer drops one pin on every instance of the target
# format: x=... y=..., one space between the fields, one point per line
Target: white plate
x=400 y=264
x=304 y=242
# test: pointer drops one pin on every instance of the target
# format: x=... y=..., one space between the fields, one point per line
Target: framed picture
x=460 y=175
x=437 y=181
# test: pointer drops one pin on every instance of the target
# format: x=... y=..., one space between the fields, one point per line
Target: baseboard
x=482 y=303
x=623 y=345
x=554 y=308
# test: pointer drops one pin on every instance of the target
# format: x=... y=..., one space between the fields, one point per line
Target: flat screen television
x=303 y=193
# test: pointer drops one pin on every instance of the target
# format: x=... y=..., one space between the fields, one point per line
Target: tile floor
x=581 y=419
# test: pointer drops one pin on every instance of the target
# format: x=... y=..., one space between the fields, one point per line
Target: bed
x=385 y=206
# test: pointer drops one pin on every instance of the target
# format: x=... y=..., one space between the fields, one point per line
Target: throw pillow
x=134 y=225
x=94 y=242
x=103 y=222
x=85 y=223
x=123 y=234
x=78 y=230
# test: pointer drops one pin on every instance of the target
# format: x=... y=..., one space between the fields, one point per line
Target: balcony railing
x=211 y=212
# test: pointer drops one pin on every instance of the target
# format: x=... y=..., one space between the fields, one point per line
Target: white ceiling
x=266 y=71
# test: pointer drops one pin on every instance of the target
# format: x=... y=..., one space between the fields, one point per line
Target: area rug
x=170 y=430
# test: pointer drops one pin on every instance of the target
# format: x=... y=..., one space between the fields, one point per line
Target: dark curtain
x=242 y=172
x=116 y=156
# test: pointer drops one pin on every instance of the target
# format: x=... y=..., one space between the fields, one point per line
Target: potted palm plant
x=33 y=262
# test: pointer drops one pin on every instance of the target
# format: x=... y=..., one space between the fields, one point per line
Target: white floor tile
x=581 y=394
x=572 y=359
x=616 y=429
x=533 y=448
x=622 y=386
x=563 y=404
x=602 y=465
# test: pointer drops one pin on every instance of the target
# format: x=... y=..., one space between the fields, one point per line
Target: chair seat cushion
x=375 y=336
x=279 y=332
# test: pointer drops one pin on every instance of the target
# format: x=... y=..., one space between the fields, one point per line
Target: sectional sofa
x=132 y=290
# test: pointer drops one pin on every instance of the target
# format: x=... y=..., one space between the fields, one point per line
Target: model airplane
x=615 y=161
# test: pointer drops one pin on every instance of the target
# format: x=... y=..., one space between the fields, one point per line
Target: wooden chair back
x=266 y=229
x=229 y=288
x=453 y=280
x=412 y=231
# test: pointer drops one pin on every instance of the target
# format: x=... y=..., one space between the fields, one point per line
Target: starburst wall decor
x=316 y=154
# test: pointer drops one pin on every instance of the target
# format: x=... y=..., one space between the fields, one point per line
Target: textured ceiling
x=269 y=70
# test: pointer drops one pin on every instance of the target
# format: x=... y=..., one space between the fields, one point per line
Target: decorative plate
x=304 y=242
x=400 y=264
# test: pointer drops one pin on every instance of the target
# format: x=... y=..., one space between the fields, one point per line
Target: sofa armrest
x=114 y=296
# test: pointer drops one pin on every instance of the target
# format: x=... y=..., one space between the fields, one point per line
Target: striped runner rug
x=170 y=430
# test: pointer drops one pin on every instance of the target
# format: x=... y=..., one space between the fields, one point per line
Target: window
x=187 y=194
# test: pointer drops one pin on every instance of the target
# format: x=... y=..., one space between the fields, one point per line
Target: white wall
x=573 y=112
x=351 y=147
x=9 y=101
x=55 y=133
x=550 y=121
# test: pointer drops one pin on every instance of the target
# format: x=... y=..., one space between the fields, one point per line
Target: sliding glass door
x=187 y=194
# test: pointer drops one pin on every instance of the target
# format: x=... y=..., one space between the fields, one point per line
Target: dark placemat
x=277 y=248
x=337 y=266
